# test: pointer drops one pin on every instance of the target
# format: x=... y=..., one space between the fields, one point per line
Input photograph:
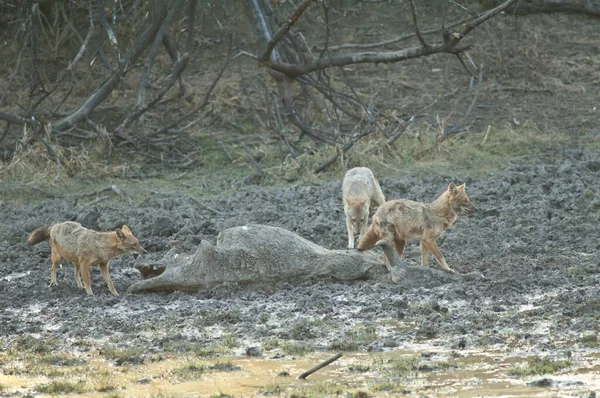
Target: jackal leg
x=350 y=233
x=55 y=258
x=425 y=253
x=106 y=275
x=85 y=274
x=399 y=245
x=368 y=240
x=431 y=245
x=78 y=276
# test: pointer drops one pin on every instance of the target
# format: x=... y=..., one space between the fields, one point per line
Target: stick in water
x=319 y=366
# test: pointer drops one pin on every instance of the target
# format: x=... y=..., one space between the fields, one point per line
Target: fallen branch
x=304 y=375
x=110 y=188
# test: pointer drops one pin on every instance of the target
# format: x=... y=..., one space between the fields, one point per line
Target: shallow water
x=478 y=373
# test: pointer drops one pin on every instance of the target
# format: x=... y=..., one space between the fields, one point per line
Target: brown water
x=479 y=374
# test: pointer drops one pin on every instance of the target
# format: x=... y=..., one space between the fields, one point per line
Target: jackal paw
x=53 y=284
x=395 y=277
x=350 y=246
x=450 y=270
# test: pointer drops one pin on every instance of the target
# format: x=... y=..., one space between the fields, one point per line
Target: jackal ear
x=120 y=233
x=126 y=228
x=452 y=188
x=362 y=202
x=349 y=202
x=461 y=187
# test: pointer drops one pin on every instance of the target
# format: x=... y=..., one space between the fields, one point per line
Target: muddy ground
x=535 y=239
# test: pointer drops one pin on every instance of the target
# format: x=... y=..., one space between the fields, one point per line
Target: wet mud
x=534 y=240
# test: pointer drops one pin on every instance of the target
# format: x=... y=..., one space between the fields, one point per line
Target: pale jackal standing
x=361 y=193
x=402 y=219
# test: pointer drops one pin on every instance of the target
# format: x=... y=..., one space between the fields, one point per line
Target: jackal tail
x=39 y=235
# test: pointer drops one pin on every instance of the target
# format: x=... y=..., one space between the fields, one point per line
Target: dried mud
x=535 y=240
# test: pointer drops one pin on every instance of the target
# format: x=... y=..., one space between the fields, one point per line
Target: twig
x=206 y=96
x=153 y=51
x=178 y=68
x=14 y=72
x=5 y=132
x=103 y=91
x=191 y=28
x=400 y=38
x=217 y=212
x=33 y=187
x=102 y=17
x=413 y=10
x=486 y=135
x=82 y=49
x=479 y=80
x=285 y=28
x=319 y=366
x=341 y=151
x=112 y=188
x=98 y=199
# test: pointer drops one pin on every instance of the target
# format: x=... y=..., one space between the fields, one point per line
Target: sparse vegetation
x=540 y=366
x=297 y=348
x=123 y=356
x=61 y=387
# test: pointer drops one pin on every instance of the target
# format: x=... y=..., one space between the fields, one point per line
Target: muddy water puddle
x=420 y=371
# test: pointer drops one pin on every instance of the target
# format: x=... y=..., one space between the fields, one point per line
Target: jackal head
x=459 y=200
x=127 y=242
x=357 y=211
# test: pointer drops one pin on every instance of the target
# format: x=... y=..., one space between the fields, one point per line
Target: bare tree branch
x=449 y=46
x=102 y=17
x=101 y=93
x=280 y=34
x=206 y=96
x=552 y=6
x=191 y=28
x=413 y=10
x=178 y=68
x=403 y=37
x=153 y=51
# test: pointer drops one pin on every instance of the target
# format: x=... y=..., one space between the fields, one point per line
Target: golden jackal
x=402 y=219
x=84 y=247
x=361 y=192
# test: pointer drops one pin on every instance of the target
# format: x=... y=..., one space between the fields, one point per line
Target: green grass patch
x=297 y=348
x=359 y=368
x=403 y=367
x=123 y=356
x=392 y=387
x=317 y=390
x=32 y=345
x=540 y=366
x=191 y=371
x=62 y=360
x=61 y=387
x=590 y=340
x=354 y=339
x=270 y=344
